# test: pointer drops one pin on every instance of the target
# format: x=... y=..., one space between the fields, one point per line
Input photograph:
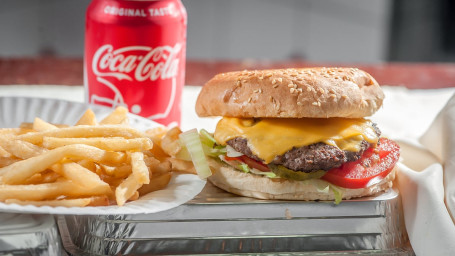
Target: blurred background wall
x=314 y=30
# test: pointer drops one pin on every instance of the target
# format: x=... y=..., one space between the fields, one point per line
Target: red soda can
x=135 y=56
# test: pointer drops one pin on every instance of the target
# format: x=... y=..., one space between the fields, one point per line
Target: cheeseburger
x=297 y=134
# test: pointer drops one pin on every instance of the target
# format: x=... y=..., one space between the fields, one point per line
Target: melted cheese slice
x=271 y=137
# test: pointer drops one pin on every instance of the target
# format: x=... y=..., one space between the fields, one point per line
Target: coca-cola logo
x=135 y=63
x=125 y=63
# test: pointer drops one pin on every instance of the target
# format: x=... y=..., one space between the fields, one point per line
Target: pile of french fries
x=90 y=164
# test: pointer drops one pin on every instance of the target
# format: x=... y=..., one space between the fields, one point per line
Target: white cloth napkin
x=426 y=179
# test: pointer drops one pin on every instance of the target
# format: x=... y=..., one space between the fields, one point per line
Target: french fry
x=134 y=197
x=21 y=149
x=88 y=118
x=83 y=131
x=6 y=161
x=118 y=116
x=156 y=166
x=157 y=152
x=156 y=134
x=183 y=166
x=126 y=189
x=80 y=175
x=163 y=167
x=49 y=177
x=48 y=191
x=87 y=164
x=112 y=181
x=20 y=171
x=34 y=179
x=99 y=201
x=26 y=126
x=156 y=183
x=112 y=144
x=121 y=171
x=77 y=202
x=4 y=153
x=170 y=142
x=139 y=169
x=40 y=125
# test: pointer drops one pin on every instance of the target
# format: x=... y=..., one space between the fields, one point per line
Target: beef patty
x=314 y=157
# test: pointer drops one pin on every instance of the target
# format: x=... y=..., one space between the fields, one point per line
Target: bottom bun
x=251 y=185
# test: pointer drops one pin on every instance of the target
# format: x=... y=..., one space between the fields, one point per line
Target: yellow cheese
x=270 y=137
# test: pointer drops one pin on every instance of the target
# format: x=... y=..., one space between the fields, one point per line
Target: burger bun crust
x=291 y=93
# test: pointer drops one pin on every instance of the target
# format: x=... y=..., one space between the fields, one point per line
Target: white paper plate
x=15 y=110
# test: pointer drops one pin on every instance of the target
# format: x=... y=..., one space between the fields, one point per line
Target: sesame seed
x=276 y=104
x=314 y=103
x=274 y=81
x=292 y=90
x=321 y=91
x=256 y=90
x=261 y=77
x=238 y=83
x=249 y=99
x=308 y=89
x=275 y=85
x=268 y=75
x=291 y=85
x=280 y=80
x=344 y=96
x=299 y=103
x=319 y=103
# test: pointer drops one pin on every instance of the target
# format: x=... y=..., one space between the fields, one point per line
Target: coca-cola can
x=135 y=56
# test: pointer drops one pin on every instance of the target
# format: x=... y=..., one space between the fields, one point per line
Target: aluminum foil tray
x=26 y=234
x=216 y=222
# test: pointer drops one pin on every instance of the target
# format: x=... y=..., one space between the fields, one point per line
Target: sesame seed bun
x=291 y=93
x=250 y=185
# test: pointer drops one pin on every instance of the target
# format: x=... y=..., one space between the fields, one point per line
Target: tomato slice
x=250 y=162
x=374 y=165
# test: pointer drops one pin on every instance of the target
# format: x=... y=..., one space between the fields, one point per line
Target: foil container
x=216 y=222
x=26 y=234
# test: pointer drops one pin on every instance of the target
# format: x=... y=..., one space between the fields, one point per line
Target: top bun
x=291 y=93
